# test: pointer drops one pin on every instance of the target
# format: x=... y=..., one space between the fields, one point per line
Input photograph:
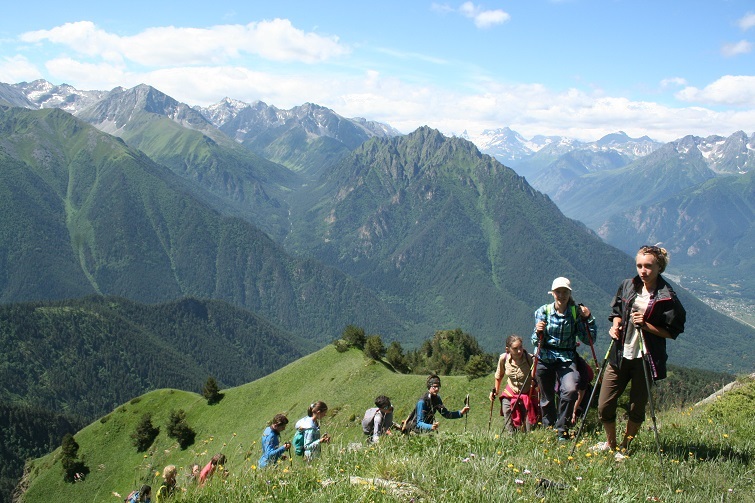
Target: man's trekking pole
x=290 y=457
x=466 y=416
x=492 y=401
x=648 y=362
x=592 y=395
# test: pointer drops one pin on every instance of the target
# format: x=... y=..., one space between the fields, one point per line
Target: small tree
x=73 y=468
x=211 y=391
x=374 y=347
x=479 y=366
x=145 y=433
x=179 y=429
x=354 y=336
x=395 y=356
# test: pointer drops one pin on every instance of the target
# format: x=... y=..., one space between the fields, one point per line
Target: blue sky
x=578 y=68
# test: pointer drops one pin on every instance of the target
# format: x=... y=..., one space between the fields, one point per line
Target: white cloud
x=737 y=90
x=747 y=22
x=483 y=18
x=275 y=40
x=741 y=47
x=91 y=76
x=18 y=69
x=673 y=82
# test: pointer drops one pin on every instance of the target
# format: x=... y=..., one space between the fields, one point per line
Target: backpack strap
x=548 y=312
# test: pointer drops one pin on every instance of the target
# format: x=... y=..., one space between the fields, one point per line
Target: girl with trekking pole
x=644 y=314
x=517 y=402
x=272 y=451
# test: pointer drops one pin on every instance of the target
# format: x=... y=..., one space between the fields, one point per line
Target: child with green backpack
x=307 y=439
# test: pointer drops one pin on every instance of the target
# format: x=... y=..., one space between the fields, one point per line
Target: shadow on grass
x=702 y=452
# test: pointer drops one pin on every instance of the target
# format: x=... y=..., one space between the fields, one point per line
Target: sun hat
x=560 y=282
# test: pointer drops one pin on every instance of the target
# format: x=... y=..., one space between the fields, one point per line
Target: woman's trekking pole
x=592 y=395
x=290 y=458
x=646 y=362
x=492 y=401
x=592 y=346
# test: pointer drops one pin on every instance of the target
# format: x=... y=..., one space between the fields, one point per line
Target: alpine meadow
x=151 y=251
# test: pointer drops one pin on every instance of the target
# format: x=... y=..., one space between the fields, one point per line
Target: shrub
x=145 y=433
x=211 y=391
x=374 y=347
x=73 y=468
x=395 y=356
x=179 y=429
x=479 y=366
x=354 y=336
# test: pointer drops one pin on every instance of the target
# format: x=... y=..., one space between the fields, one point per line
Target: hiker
x=271 y=452
x=217 y=462
x=378 y=420
x=557 y=327
x=143 y=495
x=194 y=474
x=309 y=429
x=584 y=385
x=648 y=303
x=168 y=487
x=430 y=403
x=516 y=365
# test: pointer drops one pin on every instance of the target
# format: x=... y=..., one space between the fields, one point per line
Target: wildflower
x=254 y=467
x=511 y=465
x=526 y=472
x=499 y=453
x=679 y=491
x=519 y=481
x=234 y=434
x=587 y=455
x=157 y=474
x=465 y=460
x=497 y=436
x=516 y=470
x=726 y=435
x=579 y=478
x=570 y=458
x=117 y=495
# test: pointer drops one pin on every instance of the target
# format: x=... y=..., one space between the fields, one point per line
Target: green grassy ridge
x=706 y=450
x=347 y=382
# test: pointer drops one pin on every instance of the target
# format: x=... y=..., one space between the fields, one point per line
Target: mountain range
x=401 y=234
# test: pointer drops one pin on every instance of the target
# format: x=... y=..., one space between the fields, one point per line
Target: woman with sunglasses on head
x=644 y=314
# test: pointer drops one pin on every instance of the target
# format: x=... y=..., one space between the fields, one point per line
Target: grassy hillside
x=707 y=451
